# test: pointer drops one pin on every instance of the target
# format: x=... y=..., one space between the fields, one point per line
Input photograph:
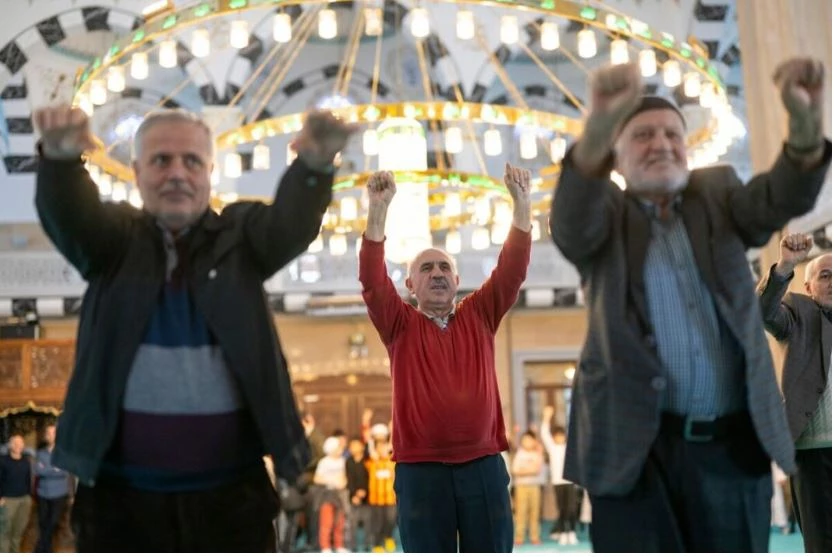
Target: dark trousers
x=383 y=522
x=811 y=493
x=441 y=504
x=234 y=518
x=359 y=514
x=566 y=502
x=50 y=512
x=703 y=497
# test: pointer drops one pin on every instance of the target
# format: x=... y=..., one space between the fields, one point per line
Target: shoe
x=327 y=550
x=342 y=550
x=554 y=536
x=572 y=538
x=563 y=539
x=536 y=542
x=378 y=549
x=390 y=545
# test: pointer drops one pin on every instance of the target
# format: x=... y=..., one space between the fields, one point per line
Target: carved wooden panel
x=51 y=365
x=11 y=367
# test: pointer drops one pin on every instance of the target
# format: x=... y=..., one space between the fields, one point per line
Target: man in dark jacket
x=802 y=325
x=676 y=413
x=180 y=386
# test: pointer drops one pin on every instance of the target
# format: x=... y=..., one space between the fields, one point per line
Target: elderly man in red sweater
x=451 y=481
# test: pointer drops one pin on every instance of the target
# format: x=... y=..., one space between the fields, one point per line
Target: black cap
x=653 y=102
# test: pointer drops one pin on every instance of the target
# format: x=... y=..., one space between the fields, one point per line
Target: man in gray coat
x=676 y=413
x=802 y=325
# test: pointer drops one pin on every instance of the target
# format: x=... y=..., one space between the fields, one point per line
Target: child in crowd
x=331 y=474
x=528 y=463
x=564 y=529
x=360 y=512
x=381 y=497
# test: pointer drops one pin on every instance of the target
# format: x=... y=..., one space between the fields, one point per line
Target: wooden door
x=337 y=402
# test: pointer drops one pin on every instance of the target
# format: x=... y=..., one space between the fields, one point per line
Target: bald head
x=818 y=280
x=433 y=281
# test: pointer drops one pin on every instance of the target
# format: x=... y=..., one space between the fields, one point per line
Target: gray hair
x=168 y=115
x=812 y=265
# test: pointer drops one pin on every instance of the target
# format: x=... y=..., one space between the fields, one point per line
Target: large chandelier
x=446 y=150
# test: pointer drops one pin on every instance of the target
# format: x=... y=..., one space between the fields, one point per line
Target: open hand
x=65 y=131
x=321 y=138
x=547 y=413
x=517 y=181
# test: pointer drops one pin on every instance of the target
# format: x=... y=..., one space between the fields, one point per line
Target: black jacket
x=119 y=252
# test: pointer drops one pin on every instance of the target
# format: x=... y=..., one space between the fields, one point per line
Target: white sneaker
x=342 y=550
x=563 y=539
x=572 y=538
x=328 y=550
x=554 y=536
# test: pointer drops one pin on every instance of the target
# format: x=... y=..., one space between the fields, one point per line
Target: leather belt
x=703 y=429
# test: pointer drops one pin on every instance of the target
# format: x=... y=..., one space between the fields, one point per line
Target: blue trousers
x=442 y=505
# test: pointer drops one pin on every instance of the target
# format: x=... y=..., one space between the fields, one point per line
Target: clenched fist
x=793 y=249
x=615 y=92
x=65 y=131
x=801 y=84
x=321 y=138
x=381 y=188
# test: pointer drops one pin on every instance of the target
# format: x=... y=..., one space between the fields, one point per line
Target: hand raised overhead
x=381 y=188
x=65 y=131
x=321 y=138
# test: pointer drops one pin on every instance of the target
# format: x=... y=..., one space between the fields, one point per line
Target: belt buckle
x=690 y=424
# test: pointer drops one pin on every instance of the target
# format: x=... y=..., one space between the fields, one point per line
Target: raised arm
x=791 y=187
x=779 y=318
x=547 y=438
x=386 y=308
x=280 y=232
x=500 y=291
x=580 y=216
x=89 y=233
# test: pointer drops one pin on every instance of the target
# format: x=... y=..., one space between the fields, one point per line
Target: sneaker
x=390 y=545
x=555 y=536
x=572 y=538
x=563 y=539
x=378 y=549
x=327 y=550
x=342 y=550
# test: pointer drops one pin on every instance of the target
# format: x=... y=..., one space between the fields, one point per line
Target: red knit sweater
x=446 y=402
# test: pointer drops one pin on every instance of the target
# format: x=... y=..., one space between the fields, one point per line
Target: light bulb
x=168 y=53
x=692 y=84
x=116 y=79
x=316 y=245
x=200 y=43
x=260 y=157
x=232 y=167
x=480 y=238
x=527 y=145
x=549 y=35
x=98 y=92
x=373 y=22
x=328 y=26
x=106 y=186
x=465 y=25
x=338 y=244
x=453 y=242
x=586 y=43
x=420 y=23
x=558 y=146
x=671 y=73
x=239 y=34
x=619 y=51
x=282 y=28
x=349 y=208
x=85 y=104
x=452 y=206
x=509 y=29
x=370 y=143
x=454 y=140
x=492 y=143
x=648 y=62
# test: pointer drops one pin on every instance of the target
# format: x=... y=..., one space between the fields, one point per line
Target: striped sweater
x=184 y=424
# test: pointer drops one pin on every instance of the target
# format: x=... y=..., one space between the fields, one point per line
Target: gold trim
x=27 y=407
